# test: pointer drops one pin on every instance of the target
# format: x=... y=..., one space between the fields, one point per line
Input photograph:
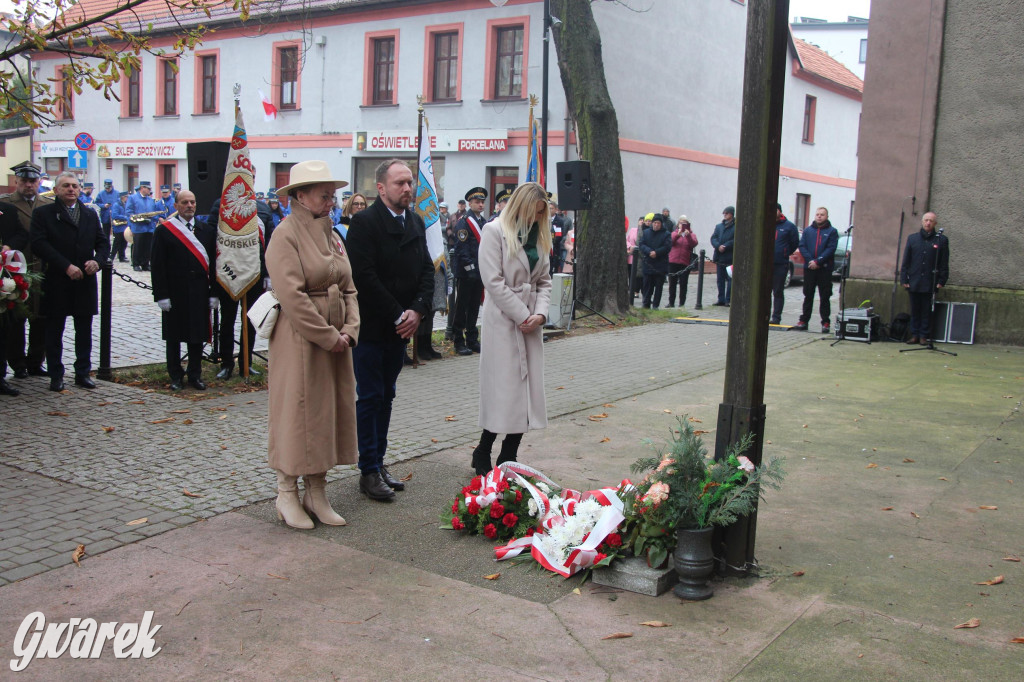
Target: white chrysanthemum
x=544 y=487
x=531 y=505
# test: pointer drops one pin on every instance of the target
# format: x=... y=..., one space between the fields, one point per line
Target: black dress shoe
x=177 y=385
x=390 y=480
x=374 y=487
x=21 y=373
x=799 y=327
x=137 y=268
x=85 y=382
x=197 y=384
x=253 y=372
x=7 y=389
x=37 y=372
x=473 y=346
x=57 y=384
x=462 y=350
x=224 y=374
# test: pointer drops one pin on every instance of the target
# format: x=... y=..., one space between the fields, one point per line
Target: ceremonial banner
x=534 y=162
x=426 y=202
x=238 y=236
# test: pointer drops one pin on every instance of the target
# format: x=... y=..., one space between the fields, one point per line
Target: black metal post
x=103 y=372
x=742 y=410
x=700 y=281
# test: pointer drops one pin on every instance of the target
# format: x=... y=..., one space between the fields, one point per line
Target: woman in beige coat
x=312 y=387
x=514 y=267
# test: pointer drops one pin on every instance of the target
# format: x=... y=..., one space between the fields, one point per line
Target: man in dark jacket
x=465 y=268
x=818 y=247
x=394 y=274
x=184 y=269
x=721 y=242
x=926 y=256
x=68 y=238
x=655 y=243
x=787 y=240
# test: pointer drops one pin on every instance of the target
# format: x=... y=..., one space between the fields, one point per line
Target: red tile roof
x=814 y=61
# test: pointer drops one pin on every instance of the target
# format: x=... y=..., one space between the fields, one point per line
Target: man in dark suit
x=394 y=274
x=24 y=199
x=183 y=267
x=68 y=238
x=925 y=269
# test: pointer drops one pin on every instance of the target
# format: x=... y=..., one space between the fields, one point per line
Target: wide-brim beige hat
x=310 y=173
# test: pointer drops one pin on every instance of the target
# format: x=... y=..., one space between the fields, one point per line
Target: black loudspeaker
x=207 y=162
x=573 y=185
x=954 y=322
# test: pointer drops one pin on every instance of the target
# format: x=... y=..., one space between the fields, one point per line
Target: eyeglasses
x=359 y=203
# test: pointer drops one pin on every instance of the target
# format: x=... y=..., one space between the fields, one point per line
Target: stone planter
x=694 y=562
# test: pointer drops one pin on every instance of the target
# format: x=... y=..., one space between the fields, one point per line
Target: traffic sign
x=77 y=160
x=84 y=141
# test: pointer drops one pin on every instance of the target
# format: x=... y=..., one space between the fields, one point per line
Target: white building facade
x=345 y=82
x=846 y=41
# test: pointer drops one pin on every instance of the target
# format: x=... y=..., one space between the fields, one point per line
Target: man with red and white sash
x=184 y=268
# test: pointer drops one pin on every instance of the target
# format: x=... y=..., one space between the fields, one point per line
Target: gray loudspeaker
x=954 y=322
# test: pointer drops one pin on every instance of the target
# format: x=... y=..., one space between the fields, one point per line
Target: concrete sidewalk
x=891 y=458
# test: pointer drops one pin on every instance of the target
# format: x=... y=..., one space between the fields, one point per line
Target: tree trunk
x=601 y=271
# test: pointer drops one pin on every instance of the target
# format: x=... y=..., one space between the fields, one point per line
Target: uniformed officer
x=468 y=286
x=142 y=225
x=87 y=190
x=166 y=200
x=175 y=188
x=25 y=198
x=106 y=199
x=118 y=224
x=502 y=199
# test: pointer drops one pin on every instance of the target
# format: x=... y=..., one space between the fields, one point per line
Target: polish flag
x=269 y=110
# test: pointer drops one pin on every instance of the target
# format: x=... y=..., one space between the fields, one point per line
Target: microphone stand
x=931 y=314
x=841 y=330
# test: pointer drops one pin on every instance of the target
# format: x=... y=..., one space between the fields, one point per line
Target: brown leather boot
x=288 y=508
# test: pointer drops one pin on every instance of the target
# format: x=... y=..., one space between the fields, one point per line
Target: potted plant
x=683 y=495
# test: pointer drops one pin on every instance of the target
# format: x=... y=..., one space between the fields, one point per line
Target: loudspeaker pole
x=544 y=92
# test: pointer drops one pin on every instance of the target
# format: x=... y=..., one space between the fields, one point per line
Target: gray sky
x=833 y=10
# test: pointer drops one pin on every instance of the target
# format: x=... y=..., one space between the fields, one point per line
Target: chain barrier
x=126 y=278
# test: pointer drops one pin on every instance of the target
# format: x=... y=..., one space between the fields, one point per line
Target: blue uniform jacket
x=787 y=241
x=118 y=212
x=465 y=262
x=139 y=204
x=105 y=197
x=819 y=243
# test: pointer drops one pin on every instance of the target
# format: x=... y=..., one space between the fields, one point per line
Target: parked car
x=796 y=261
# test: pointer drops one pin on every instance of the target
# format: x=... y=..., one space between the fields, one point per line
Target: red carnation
x=530 y=532
x=456 y=524
x=519 y=496
x=490 y=531
x=476 y=482
x=465 y=491
x=600 y=557
x=455 y=506
x=502 y=486
x=497 y=510
x=473 y=508
x=613 y=540
x=510 y=519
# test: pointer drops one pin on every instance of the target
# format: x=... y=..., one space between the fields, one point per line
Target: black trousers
x=467 y=309
x=228 y=313
x=119 y=243
x=778 y=290
x=195 y=360
x=819 y=280
x=55 y=345
x=106 y=230
x=141 y=249
x=920 y=314
x=653 y=284
x=678 y=276
x=14 y=340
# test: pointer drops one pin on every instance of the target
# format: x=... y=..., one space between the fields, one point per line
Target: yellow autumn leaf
x=492 y=576
x=995 y=581
x=136 y=522
x=656 y=624
x=78 y=554
x=618 y=635
x=988 y=507
x=972 y=623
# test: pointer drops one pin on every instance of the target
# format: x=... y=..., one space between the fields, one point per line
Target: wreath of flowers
x=15 y=283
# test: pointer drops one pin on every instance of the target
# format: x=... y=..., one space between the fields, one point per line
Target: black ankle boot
x=509 y=448
x=482 y=454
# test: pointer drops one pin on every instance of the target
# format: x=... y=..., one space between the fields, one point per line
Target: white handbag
x=263 y=314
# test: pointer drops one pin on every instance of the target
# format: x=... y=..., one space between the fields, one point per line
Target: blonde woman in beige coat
x=514 y=267
x=312 y=387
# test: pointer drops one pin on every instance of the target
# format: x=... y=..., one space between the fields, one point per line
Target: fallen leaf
x=871 y=466
x=1007 y=396
x=804 y=426
x=223 y=447
x=218 y=409
x=56 y=414
x=886 y=508
x=797 y=574
x=407 y=477
x=604 y=440
x=915 y=515
x=1012 y=558
x=136 y=402
x=433 y=440
x=768 y=442
x=995 y=581
x=618 y=635
x=989 y=507
x=608 y=405
x=576 y=590
x=168 y=420
x=907 y=460
x=187 y=421
x=180 y=411
x=103 y=404
x=188 y=493
x=560 y=388
x=223 y=416
x=972 y=623
x=943 y=478
x=492 y=576
x=603 y=415
x=876 y=450
x=1017 y=640
x=695 y=420
x=108 y=429
x=450 y=418
x=136 y=522
x=667 y=411
x=279 y=577
x=78 y=554
x=656 y=624
x=699 y=432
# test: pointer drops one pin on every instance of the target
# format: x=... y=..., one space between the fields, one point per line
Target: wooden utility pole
x=742 y=409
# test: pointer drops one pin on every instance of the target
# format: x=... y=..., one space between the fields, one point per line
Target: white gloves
x=214 y=303
x=266 y=284
x=165 y=304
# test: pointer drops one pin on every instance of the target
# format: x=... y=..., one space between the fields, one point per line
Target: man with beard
x=183 y=260
x=68 y=238
x=25 y=198
x=818 y=247
x=926 y=254
x=394 y=274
